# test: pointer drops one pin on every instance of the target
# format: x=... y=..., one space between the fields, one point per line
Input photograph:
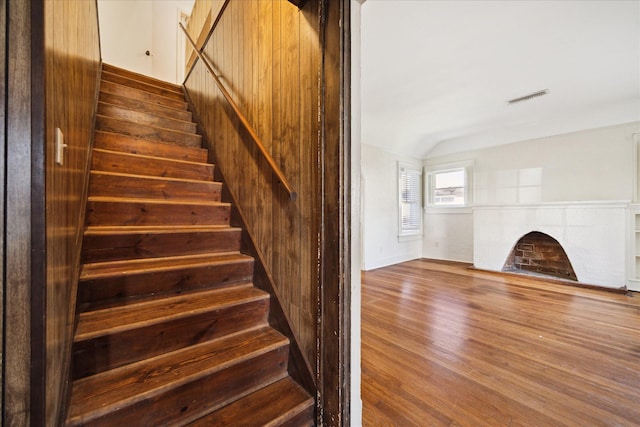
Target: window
x=410 y=180
x=449 y=186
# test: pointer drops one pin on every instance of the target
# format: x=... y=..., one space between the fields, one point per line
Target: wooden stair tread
x=116 y=319
x=145 y=265
x=111 y=210
x=141 y=105
x=155 y=201
x=113 y=243
x=143 y=85
x=153 y=126
x=270 y=406
x=147 y=131
x=132 y=92
x=125 y=144
x=98 y=230
x=147 y=118
x=152 y=187
x=133 y=79
x=137 y=76
x=102 y=393
x=157 y=178
x=137 y=157
x=142 y=164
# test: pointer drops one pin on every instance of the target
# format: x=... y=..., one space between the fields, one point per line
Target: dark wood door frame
x=22 y=183
x=334 y=349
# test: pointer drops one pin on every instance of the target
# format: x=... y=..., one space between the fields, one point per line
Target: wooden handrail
x=256 y=139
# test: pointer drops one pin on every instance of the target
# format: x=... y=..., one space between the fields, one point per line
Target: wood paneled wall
x=267 y=55
x=202 y=18
x=16 y=177
x=286 y=68
x=72 y=51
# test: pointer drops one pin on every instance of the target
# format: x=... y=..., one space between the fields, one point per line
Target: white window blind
x=410 y=201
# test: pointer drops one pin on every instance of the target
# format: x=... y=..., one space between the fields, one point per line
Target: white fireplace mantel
x=592 y=233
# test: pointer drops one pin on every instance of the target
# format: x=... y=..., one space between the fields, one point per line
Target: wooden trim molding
x=17 y=260
x=335 y=290
x=38 y=386
x=3 y=149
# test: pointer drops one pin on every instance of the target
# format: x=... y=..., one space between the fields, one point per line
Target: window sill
x=466 y=209
x=409 y=237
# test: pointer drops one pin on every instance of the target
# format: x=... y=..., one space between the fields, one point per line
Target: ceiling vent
x=530 y=96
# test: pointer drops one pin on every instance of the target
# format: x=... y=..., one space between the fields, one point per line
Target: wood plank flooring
x=443 y=345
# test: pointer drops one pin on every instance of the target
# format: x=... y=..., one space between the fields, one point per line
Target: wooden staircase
x=171 y=330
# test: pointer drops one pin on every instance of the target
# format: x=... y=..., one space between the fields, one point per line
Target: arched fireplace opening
x=539 y=253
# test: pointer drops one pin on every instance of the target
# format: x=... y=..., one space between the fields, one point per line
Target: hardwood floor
x=443 y=345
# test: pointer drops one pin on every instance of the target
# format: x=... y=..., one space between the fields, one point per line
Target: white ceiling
x=436 y=74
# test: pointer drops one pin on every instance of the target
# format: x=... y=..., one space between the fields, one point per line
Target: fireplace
x=593 y=236
x=539 y=253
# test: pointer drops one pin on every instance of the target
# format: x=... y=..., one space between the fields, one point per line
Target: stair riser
x=122 y=163
x=140 y=213
x=114 y=350
x=142 y=78
x=132 y=145
x=137 y=187
x=100 y=248
x=303 y=419
x=141 y=95
x=139 y=117
x=153 y=133
x=97 y=293
x=146 y=107
x=194 y=399
x=293 y=407
x=158 y=90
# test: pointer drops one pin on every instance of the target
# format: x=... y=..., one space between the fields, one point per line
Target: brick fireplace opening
x=539 y=253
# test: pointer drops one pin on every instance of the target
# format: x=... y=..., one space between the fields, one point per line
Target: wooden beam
x=17 y=259
x=38 y=383
x=335 y=282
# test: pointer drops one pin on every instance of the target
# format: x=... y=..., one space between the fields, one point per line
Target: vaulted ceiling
x=436 y=75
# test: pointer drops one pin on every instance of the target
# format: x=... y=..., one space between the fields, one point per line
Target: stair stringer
x=65 y=395
x=299 y=367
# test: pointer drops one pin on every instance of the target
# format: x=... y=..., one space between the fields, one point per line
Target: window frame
x=402 y=232
x=432 y=171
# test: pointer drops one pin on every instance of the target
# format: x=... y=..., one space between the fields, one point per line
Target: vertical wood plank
x=38 y=219
x=3 y=147
x=290 y=157
x=264 y=93
x=335 y=272
x=18 y=232
x=277 y=234
x=309 y=90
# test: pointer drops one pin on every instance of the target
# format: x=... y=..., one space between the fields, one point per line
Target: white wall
x=379 y=187
x=448 y=235
x=590 y=165
x=167 y=64
x=356 y=298
x=129 y=28
x=125 y=33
